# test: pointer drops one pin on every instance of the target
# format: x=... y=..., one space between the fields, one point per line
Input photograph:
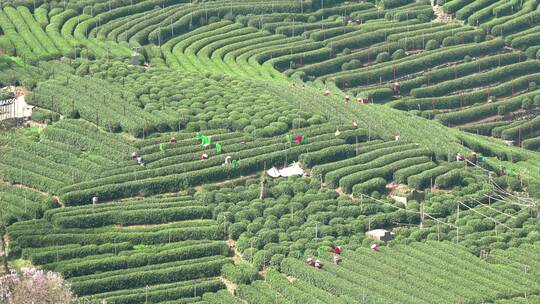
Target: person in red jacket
x=336 y=251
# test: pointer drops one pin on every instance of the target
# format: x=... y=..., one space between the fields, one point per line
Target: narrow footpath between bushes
x=442 y=16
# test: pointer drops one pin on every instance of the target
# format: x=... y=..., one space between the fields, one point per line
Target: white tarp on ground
x=292 y=170
x=273 y=172
x=286 y=172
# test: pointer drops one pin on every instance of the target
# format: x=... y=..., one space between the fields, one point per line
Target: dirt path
x=37 y=124
x=231 y=287
x=442 y=16
x=237 y=258
x=481 y=121
x=291 y=278
x=341 y=193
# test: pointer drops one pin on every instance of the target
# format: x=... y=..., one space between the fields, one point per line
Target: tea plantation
x=204 y=151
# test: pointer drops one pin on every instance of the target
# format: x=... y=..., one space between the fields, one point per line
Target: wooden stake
x=422 y=215
x=457 y=224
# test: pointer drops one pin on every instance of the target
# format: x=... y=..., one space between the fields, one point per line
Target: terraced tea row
x=156 y=102
x=106 y=253
x=359 y=278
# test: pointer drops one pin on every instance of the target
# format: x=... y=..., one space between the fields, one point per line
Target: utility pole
x=422 y=215
x=262 y=193
x=316 y=232
x=146 y=294
x=356 y=145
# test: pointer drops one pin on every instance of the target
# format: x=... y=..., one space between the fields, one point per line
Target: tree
x=34 y=286
x=534 y=189
x=355 y=64
x=398 y=54
x=502 y=110
x=423 y=18
x=432 y=45
x=449 y=41
x=537 y=101
x=74 y=114
x=526 y=103
x=479 y=38
x=383 y=57
x=532 y=86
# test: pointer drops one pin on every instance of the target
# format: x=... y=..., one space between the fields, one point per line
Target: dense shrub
x=398 y=54
x=242 y=273
x=432 y=45
x=450 y=179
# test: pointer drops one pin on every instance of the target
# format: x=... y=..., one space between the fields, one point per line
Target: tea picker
x=336 y=251
x=162 y=148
